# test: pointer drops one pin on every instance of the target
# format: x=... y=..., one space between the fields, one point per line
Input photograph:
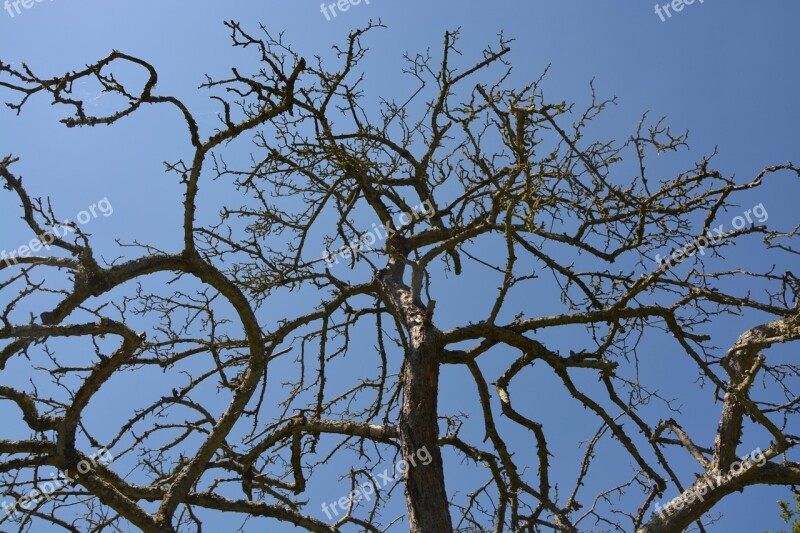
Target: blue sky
x=726 y=71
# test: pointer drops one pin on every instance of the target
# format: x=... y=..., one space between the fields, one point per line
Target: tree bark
x=426 y=496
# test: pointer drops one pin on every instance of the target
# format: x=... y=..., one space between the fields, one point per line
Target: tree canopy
x=575 y=256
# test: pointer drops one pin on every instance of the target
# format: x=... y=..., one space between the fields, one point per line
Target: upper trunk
x=426 y=497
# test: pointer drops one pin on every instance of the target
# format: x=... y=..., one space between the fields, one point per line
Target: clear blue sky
x=727 y=71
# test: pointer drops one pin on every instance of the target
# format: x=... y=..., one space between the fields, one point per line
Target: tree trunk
x=426 y=497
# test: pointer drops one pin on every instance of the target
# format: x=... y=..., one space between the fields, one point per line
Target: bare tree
x=514 y=196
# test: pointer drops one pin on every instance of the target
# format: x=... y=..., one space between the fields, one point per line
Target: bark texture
x=426 y=496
